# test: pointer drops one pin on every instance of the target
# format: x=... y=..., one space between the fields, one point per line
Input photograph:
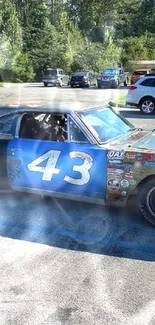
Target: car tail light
x=84 y=78
x=132 y=87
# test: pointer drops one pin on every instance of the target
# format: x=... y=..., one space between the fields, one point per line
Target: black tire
x=99 y=86
x=125 y=83
x=117 y=84
x=45 y=84
x=72 y=86
x=146 y=200
x=147 y=105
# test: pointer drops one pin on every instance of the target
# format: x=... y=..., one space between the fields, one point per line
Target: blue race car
x=92 y=155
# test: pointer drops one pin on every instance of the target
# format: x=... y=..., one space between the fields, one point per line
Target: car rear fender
x=3 y=164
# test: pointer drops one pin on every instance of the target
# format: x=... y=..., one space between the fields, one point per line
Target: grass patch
x=1 y=84
x=120 y=100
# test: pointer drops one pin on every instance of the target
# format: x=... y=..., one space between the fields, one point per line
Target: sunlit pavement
x=64 y=262
x=59 y=259
x=62 y=223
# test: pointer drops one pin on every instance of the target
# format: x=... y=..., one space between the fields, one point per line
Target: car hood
x=135 y=141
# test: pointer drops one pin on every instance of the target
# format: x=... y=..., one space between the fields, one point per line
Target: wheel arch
x=140 y=184
x=148 y=96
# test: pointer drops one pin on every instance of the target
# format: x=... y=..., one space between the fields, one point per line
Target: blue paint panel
x=21 y=152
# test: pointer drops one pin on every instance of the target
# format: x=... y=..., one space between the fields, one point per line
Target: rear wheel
x=147 y=200
x=147 y=105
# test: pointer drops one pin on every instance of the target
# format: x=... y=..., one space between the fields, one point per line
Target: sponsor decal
x=130 y=155
x=111 y=175
x=118 y=176
x=124 y=193
x=132 y=182
x=112 y=154
x=128 y=168
x=149 y=156
x=129 y=175
x=140 y=156
x=125 y=183
x=113 y=184
x=111 y=170
x=149 y=163
x=115 y=161
x=137 y=165
x=119 y=171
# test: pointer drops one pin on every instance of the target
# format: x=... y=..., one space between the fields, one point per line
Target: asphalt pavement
x=68 y=263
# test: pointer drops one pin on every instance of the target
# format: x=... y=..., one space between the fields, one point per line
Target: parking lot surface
x=70 y=263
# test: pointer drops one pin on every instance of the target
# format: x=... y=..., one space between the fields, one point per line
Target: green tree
x=9 y=26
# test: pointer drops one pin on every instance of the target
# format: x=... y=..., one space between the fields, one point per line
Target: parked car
x=142 y=94
x=113 y=78
x=139 y=73
x=83 y=79
x=55 y=77
x=91 y=155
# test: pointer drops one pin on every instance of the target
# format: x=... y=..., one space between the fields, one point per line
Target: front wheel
x=125 y=83
x=99 y=86
x=147 y=105
x=116 y=85
x=146 y=200
x=45 y=84
x=60 y=83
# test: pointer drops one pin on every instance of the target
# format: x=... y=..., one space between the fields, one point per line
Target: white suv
x=142 y=94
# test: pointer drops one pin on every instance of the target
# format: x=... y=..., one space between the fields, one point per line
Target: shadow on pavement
x=93 y=87
x=77 y=226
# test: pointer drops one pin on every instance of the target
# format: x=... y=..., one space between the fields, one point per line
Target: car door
x=71 y=168
x=65 y=77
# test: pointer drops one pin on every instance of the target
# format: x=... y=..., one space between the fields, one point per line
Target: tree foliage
x=73 y=34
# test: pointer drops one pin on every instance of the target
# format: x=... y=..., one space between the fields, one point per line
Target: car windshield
x=81 y=73
x=50 y=73
x=110 y=71
x=105 y=124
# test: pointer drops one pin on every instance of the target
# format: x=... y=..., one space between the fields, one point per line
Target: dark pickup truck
x=113 y=78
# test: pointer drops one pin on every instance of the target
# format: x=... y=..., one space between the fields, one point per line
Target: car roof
x=12 y=109
x=114 y=68
x=81 y=72
x=142 y=69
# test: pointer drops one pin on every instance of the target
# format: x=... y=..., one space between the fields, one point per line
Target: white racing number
x=50 y=169
x=82 y=169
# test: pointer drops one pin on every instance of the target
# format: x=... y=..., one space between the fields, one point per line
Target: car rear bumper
x=79 y=83
x=51 y=81
x=109 y=83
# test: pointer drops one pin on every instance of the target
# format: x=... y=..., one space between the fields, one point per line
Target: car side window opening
x=50 y=127
x=75 y=133
x=150 y=82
